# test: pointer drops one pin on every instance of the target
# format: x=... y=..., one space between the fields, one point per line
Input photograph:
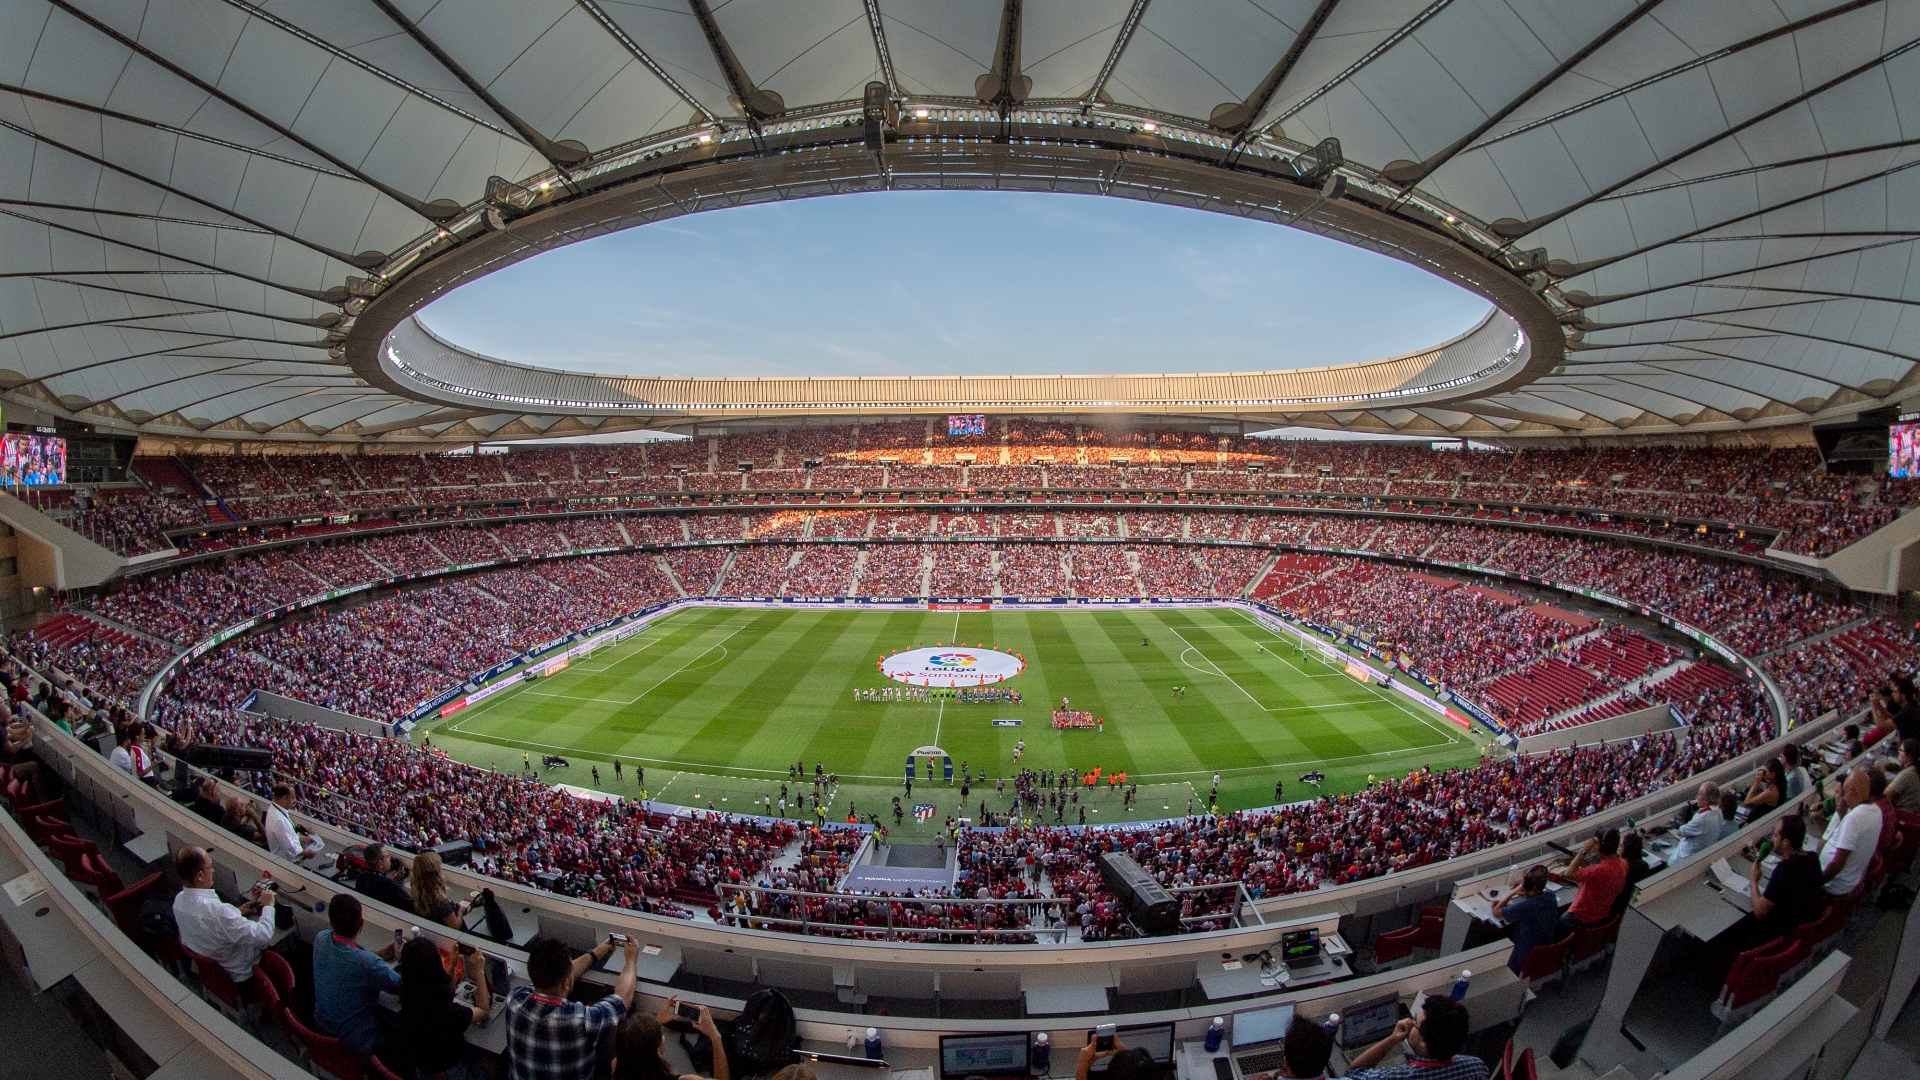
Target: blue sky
x=938 y=283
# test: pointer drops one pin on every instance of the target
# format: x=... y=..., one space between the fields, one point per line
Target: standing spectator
x=637 y=1048
x=1434 y=1040
x=282 y=838
x=1533 y=915
x=233 y=937
x=1848 y=842
x=1602 y=873
x=348 y=980
x=549 y=1037
x=434 y=1042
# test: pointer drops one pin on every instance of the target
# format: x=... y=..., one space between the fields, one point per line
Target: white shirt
x=281 y=839
x=1701 y=831
x=216 y=930
x=1858 y=833
x=123 y=761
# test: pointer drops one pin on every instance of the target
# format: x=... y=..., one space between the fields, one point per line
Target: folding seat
x=1546 y=962
x=1394 y=948
x=328 y=1056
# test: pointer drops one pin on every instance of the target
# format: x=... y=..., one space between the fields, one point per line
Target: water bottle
x=873 y=1044
x=1216 y=1032
x=1042 y=1054
x=1460 y=985
x=1332 y=1025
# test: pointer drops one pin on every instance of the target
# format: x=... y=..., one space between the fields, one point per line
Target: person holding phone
x=550 y=1037
x=434 y=1021
x=638 y=1045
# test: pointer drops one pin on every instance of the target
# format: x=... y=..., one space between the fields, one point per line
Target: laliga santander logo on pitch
x=950 y=667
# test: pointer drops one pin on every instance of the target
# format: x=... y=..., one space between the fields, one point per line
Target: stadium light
x=1150 y=126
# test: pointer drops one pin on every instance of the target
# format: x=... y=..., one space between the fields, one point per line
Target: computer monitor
x=1155 y=1039
x=1261 y=1025
x=1300 y=944
x=1369 y=1022
x=983 y=1055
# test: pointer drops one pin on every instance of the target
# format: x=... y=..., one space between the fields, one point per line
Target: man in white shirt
x=282 y=839
x=233 y=937
x=1702 y=830
x=122 y=756
x=1848 y=844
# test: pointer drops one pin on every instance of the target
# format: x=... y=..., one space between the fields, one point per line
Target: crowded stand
x=1784 y=491
x=756 y=571
x=1100 y=570
x=961 y=570
x=380 y=658
x=894 y=570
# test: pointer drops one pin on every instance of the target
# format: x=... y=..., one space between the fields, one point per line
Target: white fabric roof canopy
x=1724 y=187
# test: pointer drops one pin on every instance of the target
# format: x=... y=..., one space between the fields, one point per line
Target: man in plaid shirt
x=549 y=1037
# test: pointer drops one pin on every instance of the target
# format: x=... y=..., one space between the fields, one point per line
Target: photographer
x=639 y=1045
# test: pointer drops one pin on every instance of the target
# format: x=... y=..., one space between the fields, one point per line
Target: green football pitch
x=717 y=702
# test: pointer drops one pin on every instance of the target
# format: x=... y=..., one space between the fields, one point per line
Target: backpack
x=763 y=1036
x=498 y=928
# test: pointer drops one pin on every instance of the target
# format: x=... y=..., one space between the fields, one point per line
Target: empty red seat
x=1394 y=945
x=1546 y=961
x=1756 y=972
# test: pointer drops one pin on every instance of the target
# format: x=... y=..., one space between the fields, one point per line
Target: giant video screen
x=1903 y=450
x=33 y=460
x=966 y=424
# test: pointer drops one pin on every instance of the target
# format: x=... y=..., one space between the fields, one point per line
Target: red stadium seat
x=1590 y=942
x=1546 y=961
x=1431 y=932
x=1759 y=975
x=1394 y=947
x=379 y=1071
x=329 y=1056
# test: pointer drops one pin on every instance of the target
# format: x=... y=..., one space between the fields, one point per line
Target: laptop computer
x=1369 y=1022
x=1155 y=1039
x=996 y=1057
x=1259 y=1039
x=1301 y=948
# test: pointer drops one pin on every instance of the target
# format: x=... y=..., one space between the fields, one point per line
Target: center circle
x=955 y=666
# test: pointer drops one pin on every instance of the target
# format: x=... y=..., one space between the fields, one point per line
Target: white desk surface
x=54 y=947
x=148 y=847
x=1066 y=1000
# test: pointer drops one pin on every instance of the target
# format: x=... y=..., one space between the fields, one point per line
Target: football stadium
x=912 y=540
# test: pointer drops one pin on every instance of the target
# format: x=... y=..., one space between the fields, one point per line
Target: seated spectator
x=1631 y=846
x=431 y=1036
x=233 y=937
x=1904 y=790
x=241 y=820
x=124 y=758
x=429 y=889
x=206 y=800
x=348 y=980
x=1434 y=1040
x=1602 y=874
x=550 y=1037
x=1729 y=813
x=1304 y=1054
x=374 y=880
x=1533 y=915
x=1768 y=789
x=1847 y=843
x=1702 y=830
x=637 y=1053
x=1798 y=783
x=1793 y=894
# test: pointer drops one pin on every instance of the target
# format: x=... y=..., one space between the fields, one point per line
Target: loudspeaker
x=455 y=852
x=1152 y=906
